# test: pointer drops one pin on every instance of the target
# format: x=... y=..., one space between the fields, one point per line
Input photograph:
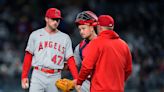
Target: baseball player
x=46 y=51
x=108 y=58
x=86 y=21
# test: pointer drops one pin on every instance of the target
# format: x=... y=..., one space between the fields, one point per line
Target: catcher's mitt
x=65 y=85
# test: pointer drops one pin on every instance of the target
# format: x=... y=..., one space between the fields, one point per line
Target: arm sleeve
x=128 y=69
x=84 y=72
x=72 y=67
x=26 y=64
x=68 y=49
x=88 y=64
x=77 y=56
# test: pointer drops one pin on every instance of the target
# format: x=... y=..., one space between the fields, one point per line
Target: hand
x=25 y=83
x=78 y=88
x=75 y=81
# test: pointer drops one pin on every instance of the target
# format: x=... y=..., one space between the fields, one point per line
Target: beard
x=85 y=36
x=53 y=27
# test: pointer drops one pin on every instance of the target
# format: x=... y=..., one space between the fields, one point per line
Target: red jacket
x=109 y=59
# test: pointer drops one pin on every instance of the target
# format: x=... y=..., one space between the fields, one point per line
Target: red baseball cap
x=105 y=20
x=53 y=13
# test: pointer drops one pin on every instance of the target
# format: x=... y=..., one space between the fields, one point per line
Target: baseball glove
x=65 y=85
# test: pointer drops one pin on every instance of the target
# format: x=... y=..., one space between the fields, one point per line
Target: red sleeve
x=128 y=69
x=84 y=72
x=88 y=64
x=26 y=64
x=72 y=67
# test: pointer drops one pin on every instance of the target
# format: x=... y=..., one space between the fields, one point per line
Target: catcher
x=86 y=22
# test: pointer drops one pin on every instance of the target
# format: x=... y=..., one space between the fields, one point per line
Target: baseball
x=26 y=85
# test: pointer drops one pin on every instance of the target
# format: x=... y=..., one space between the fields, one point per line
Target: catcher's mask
x=86 y=17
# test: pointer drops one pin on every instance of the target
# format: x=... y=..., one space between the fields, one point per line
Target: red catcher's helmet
x=86 y=17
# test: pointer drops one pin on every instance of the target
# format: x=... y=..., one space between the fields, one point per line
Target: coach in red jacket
x=108 y=58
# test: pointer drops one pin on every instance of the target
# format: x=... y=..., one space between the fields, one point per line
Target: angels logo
x=51 y=44
x=57 y=13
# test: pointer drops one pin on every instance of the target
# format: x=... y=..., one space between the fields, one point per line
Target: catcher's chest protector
x=82 y=45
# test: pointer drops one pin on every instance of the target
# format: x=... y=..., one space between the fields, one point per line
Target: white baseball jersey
x=77 y=56
x=49 y=50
